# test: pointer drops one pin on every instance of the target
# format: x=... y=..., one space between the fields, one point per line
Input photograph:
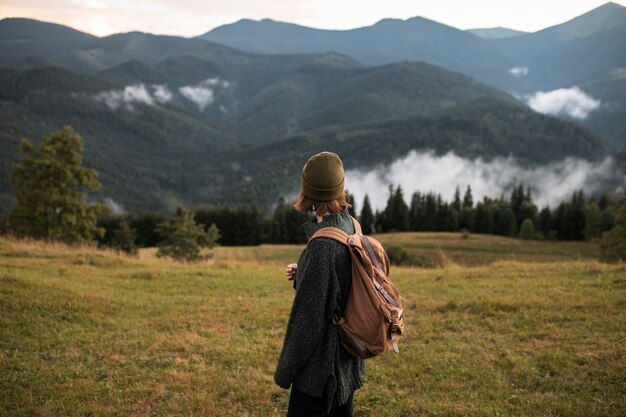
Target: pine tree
x=415 y=212
x=544 y=222
x=506 y=224
x=352 y=210
x=527 y=229
x=483 y=218
x=124 y=238
x=468 y=200
x=429 y=222
x=183 y=239
x=48 y=181
x=280 y=233
x=614 y=241
x=575 y=217
x=367 y=219
x=593 y=222
x=456 y=203
x=400 y=211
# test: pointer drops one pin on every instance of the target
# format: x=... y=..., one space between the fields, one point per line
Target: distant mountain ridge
x=580 y=52
x=170 y=121
x=495 y=33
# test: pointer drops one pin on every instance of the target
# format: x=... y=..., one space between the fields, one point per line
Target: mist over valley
x=229 y=117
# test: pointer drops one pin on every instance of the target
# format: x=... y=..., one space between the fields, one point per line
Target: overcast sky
x=194 y=17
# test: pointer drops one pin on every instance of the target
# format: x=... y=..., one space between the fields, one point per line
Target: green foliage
x=527 y=230
x=397 y=255
x=614 y=241
x=49 y=183
x=367 y=218
x=183 y=239
x=593 y=222
x=124 y=238
x=468 y=200
x=396 y=215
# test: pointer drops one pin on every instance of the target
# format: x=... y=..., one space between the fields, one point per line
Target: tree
x=527 y=230
x=614 y=241
x=456 y=203
x=506 y=224
x=351 y=201
x=544 y=222
x=397 y=212
x=124 y=238
x=483 y=218
x=468 y=200
x=593 y=222
x=49 y=183
x=183 y=239
x=367 y=217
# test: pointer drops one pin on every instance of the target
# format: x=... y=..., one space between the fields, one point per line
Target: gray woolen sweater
x=312 y=358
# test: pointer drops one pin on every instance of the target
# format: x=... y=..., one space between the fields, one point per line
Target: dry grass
x=88 y=332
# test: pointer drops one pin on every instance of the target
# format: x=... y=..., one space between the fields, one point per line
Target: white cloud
x=425 y=171
x=162 y=93
x=137 y=93
x=519 y=72
x=115 y=207
x=569 y=101
x=203 y=94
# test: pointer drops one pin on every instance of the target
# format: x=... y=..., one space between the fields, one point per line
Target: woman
x=322 y=375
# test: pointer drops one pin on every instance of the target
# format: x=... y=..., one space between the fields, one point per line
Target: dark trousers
x=304 y=405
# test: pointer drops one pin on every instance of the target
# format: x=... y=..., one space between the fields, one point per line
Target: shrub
x=183 y=239
x=614 y=241
x=527 y=230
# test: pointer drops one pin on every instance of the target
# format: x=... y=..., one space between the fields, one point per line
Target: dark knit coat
x=312 y=358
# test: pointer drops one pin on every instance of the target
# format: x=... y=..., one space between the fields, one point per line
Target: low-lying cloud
x=519 y=72
x=203 y=94
x=424 y=171
x=136 y=93
x=115 y=207
x=572 y=102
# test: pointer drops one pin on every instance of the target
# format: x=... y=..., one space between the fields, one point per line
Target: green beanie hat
x=322 y=177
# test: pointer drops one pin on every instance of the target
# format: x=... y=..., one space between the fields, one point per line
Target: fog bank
x=425 y=171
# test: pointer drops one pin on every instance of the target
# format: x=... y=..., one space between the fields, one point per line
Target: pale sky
x=195 y=17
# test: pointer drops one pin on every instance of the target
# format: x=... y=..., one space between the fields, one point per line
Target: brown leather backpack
x=372 y=321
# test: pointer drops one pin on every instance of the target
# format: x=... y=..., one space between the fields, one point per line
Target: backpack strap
x=332 y=233
x=338 y=234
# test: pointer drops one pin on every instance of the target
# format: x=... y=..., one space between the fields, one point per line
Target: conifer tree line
x=51 y=205
x=514 y=216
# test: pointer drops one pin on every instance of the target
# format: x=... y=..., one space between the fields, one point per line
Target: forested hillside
x=170 y=121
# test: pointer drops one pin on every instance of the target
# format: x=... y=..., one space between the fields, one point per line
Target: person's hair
x=306 y=204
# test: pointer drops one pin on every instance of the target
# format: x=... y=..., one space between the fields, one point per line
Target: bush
x=614 y=241
x=527 y=230
x=398 y=256
x=183 y=239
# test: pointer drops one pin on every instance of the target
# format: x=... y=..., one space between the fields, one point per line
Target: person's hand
x=290 y=271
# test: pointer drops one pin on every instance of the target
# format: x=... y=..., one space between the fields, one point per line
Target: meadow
x=495 y=327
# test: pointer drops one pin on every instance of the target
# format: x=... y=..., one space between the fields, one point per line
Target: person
x=322 y=375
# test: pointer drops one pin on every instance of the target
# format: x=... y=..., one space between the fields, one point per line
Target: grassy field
x=430 y=250
x=86 y=332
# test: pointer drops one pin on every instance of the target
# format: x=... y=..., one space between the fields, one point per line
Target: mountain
x=388 y=41
x=25 y=38
x=586 y=52
x=141 y=152
x=170 y=121
x=582 y=51
x=495 y=33
x=485 y=128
